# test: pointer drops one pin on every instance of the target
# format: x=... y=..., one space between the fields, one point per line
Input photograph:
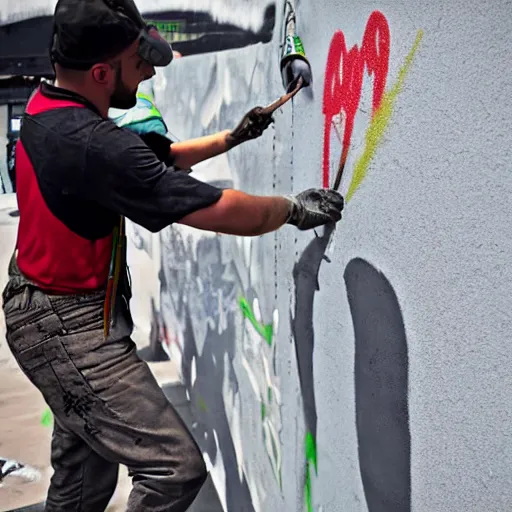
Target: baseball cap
x=86 y=32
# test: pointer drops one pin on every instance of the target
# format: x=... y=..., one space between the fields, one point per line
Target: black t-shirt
x=91 y=170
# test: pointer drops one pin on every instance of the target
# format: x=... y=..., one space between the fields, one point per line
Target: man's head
x=105 y=49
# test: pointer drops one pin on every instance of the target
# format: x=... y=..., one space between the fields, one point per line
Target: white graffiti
x=258 y=361
x=13 y=469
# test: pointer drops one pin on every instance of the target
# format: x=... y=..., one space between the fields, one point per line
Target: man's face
x=130 y=70
x=124 y=96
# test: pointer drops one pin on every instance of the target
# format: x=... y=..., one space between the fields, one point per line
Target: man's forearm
x=190 y=152
x=274 y=211
x=237 y=213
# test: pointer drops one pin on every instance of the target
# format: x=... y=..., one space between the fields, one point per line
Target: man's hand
x=315 y=207
x=252 y=126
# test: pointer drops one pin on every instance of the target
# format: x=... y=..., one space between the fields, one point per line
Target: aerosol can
x=294 y=63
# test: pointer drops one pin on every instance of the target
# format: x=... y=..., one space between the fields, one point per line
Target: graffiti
x=208 y=317
x=265 y=331
x=47 y=418
x=311 y=462
x=259 y=364
x=141 y=239
x=344 y=77
x=195 y=277
x=381 y=377
x=381 y=384
x=344 y=82
x=201 y=275
x=380 y=122
x=305 y=276
x=214 y=390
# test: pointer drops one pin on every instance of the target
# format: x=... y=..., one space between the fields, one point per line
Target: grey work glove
x=315 y=207
x=252 y=126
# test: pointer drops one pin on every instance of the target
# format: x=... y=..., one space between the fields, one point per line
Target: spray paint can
x=294 y=63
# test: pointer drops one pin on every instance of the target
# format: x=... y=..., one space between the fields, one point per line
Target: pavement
x=25 y=440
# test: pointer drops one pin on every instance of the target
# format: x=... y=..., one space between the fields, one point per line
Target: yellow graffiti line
x=380 y=122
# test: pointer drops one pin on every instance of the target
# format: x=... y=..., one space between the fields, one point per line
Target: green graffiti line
x=47 y=418
x=168 y=26
x=311 y=450
x=307 y=489
x=311 y=462
x=201 y=404
x=265 y=331
x=380 y=122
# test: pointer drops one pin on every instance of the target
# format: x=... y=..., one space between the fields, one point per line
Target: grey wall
x=387 y=342
x=5 y=182
x=245 y=13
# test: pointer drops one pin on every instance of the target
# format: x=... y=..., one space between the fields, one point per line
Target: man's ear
x=100 y=73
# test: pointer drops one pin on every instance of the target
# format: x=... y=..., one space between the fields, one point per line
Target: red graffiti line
x=344 y=81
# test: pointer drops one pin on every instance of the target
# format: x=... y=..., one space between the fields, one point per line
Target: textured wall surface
x=369 y=368
x=5 y=182
x=245 y=13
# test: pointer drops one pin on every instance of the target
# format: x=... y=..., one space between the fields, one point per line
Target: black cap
x=86 y=32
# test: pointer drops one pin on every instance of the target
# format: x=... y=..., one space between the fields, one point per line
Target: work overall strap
x=117 y=262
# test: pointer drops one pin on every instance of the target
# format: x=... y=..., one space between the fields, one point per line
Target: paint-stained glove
x=252 y=126
x=315 y=207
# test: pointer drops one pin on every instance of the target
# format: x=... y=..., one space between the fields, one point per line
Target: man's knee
x=187 y=470
x=176 y=489
x=191 y=468
x=189 y=464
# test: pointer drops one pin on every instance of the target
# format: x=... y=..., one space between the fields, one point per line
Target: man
x=66 y=302
x=144 y=117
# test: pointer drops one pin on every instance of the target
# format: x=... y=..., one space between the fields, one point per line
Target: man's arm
x=124 y=175
x=237 y=213
x=190 y=152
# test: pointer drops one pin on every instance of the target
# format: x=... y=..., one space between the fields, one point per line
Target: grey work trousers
x=108 y=408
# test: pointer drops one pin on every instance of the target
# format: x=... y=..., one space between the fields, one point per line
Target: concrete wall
x=369 y=368
x=245 y=13
x=5 y=182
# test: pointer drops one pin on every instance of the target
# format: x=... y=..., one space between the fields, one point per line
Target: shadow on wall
x=381 y=384
x=305 y=277
x=213 y=432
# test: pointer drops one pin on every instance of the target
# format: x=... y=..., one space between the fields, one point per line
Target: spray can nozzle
x=294 y=63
